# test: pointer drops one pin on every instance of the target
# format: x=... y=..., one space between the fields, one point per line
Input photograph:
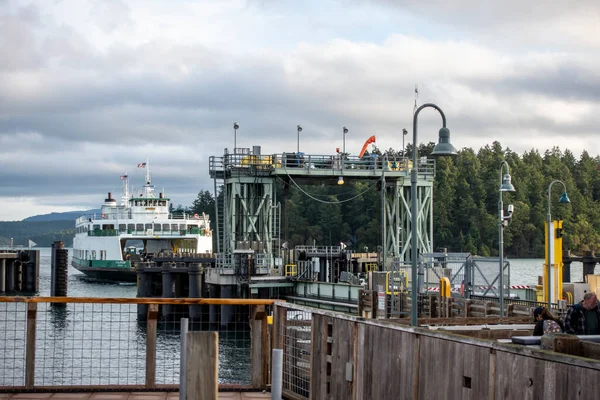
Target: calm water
x=525 y=271
x=101 y=344
x=105 y=344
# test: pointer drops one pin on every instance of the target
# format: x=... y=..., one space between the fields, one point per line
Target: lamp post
x=299 y=130
x=505 y=186
x=443 y=148
x=235 y=128
x=345 y=130
x=550 y=236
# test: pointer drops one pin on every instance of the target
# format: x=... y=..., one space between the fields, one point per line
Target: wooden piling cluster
x=59 y=276
x=19 y=271
x=436 y=306
x=589 y=261
x=173 y=277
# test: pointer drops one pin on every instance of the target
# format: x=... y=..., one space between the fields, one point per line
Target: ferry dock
x=324 y=354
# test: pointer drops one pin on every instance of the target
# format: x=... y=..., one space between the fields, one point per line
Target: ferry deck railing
x=72 y=343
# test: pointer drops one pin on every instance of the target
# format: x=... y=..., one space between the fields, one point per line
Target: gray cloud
x=80 y=106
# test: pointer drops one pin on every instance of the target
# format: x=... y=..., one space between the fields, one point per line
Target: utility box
x=578 y=290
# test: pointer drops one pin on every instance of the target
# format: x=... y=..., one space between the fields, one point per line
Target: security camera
x=511 y=208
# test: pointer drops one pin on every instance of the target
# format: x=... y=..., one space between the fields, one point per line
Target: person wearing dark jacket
x=545 y=322
x=583 y=318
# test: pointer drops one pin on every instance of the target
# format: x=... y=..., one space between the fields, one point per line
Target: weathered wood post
x=2 y=275
x=561 y=343
x=30 y=346
x=202 y=364
x=151 y=346
x=258 y=347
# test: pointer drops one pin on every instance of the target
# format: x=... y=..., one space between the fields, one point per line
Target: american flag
x=142 y=165
x=123 y=177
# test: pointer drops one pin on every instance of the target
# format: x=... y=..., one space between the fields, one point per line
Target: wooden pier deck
x=126 y=396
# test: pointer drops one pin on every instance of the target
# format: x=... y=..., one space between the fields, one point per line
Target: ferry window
x=122 y=227
x=174 y=227
x=93 y=254
x=96 y=227
x=182 y=227
x=148 y=226
x=166 y=227
x=157 y=227
x=139 y=227
x=86 y=254
x=130 y=227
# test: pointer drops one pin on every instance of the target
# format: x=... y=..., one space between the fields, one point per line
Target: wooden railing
x=71 y=331
x=344 y=357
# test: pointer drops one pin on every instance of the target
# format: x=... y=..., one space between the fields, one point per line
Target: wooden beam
x=137 y=300
x=151 y=346
x=30 y=346
x=202 y=381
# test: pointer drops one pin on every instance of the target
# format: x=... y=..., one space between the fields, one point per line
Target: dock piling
x=59 y=270
x=2 y=275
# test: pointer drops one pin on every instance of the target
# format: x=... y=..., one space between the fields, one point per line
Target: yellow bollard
x=445 y=287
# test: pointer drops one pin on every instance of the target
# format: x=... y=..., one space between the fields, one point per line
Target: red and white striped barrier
x=455 y=289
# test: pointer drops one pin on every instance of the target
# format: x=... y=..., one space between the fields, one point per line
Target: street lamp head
x=299 y=128
x=404 y=132
x=564 y=198
x=236 y=126
x=345 y=130
x=341 y=180
x=506 y=184
x=444 y=147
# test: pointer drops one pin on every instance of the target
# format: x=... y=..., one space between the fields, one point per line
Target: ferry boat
x=139 y=228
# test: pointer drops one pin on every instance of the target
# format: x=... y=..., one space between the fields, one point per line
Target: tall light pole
x=299 y=128
x=550 y=236
x=404 y=133
x=235 y=128
x=443 y=148
x=345 y=130
x=505 y=186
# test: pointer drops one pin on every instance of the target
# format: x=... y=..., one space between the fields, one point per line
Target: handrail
x=137 y=300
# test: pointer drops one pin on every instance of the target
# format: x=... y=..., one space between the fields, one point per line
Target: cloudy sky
x=88 y=89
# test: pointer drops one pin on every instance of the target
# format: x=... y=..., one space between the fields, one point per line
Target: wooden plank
x=492 y=375
x=266 y=351
x=202 y=380
x=151 y=346
x=342 y=354
x=318 y=372
x=590 y=350
x=255 y=353
x=416 y=375
x=355 y=376
x=30 y=346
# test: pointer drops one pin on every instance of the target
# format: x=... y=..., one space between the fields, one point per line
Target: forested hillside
x=466 y=194
x=43 y=233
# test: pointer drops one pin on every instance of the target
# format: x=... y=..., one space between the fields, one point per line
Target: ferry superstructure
x=138 y=228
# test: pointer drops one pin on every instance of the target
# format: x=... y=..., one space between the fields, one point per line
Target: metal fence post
x=277 y=374
x=183 y=359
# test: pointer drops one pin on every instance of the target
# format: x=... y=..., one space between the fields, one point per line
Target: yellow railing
x=290 y=270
